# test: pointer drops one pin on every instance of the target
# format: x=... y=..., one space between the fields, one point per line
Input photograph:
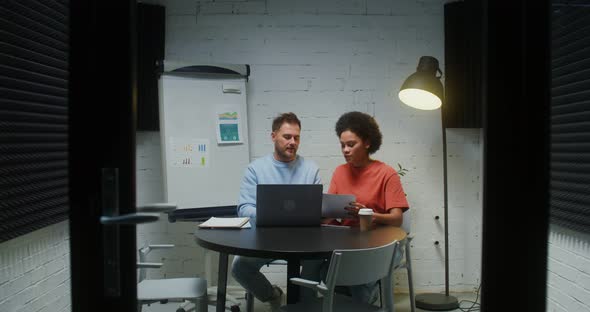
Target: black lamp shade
x=423 y=89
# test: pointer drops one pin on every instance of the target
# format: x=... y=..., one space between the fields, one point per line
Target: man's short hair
x=289 y=118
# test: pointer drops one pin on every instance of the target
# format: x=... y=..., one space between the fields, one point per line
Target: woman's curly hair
x=364 y=126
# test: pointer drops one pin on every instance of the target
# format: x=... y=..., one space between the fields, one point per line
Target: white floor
x=402 y=304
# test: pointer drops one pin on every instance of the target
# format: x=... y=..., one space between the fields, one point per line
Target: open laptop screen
x=288 y=204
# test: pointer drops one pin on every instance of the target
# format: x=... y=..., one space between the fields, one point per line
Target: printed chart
x=189 y=153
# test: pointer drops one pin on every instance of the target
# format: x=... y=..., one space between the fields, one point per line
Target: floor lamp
x=424 y=90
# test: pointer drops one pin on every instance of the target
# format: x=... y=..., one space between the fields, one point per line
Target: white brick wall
x=35 y=271
x=568 y=271
x=320 y=59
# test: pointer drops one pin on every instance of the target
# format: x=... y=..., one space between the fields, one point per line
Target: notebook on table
x=288 y=204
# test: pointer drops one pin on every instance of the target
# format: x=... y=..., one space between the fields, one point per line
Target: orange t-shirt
x=377 y=186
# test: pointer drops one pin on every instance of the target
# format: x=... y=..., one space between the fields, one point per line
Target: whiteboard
x=198 y=171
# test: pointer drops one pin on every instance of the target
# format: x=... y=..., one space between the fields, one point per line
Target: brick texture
x=35 y=271
x=568 y=270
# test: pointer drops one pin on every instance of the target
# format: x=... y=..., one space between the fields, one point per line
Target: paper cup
x=365 y=218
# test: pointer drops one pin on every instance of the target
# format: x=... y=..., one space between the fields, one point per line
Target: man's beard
x=284 y=155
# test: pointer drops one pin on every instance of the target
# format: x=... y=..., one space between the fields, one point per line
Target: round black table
x=289 y=243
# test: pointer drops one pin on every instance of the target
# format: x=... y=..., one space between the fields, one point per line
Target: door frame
x=102 y=105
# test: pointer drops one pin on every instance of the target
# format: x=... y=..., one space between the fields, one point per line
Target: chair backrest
x=407 y=221
x=142 y=265
x=360 y=266
x=142 y=259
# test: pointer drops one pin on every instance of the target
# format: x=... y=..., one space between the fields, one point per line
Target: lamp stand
x=435 y=301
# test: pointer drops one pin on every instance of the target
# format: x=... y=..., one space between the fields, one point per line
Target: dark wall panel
x=34 y=69
x=463 y=56
x=570 y=115
x=151 y=38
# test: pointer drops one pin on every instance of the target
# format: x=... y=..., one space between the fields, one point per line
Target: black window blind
x=33 y=115
x=570 y=115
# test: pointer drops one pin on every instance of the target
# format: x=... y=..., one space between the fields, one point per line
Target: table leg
x=292 y=289
x=221 y=282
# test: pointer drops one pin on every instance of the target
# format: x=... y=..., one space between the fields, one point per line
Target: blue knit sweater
x=268 y=170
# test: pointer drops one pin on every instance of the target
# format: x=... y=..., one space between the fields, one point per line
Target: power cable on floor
x=474 y=304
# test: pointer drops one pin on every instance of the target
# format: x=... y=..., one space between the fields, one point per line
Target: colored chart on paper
x=229 y=133
x=228 y=116
x=189 y=153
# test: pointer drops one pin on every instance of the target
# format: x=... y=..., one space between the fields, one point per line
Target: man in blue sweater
x=283 y=166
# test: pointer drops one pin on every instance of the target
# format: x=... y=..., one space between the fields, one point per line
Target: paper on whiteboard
x=333 y=205
x=228 y=125
x=189 y=153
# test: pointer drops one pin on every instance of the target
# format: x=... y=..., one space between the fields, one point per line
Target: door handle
x=132 y=218
x=111 y=232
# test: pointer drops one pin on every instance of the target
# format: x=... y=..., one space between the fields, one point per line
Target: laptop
x=288 y=204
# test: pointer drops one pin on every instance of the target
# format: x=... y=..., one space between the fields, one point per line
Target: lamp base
x=436 y=302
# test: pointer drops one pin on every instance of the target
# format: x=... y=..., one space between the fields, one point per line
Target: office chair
x=404 y=248
x=186 y=290
x=347 y=268
x=407 y=264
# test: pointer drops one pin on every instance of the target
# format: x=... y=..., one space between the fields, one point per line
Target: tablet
x=333 y=205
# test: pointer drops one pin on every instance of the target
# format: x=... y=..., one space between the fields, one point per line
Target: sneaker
x=277 y=300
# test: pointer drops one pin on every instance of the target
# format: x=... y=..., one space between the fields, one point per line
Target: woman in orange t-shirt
x=374 y=184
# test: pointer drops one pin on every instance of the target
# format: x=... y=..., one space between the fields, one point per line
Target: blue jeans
x=246 y=271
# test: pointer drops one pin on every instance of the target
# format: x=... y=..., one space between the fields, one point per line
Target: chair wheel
x=234 y=308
